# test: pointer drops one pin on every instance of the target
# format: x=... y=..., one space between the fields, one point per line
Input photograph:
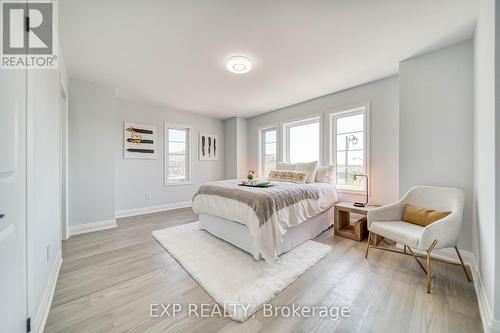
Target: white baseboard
x=490 y=324
x=451 y=255
x=151 y=209
x=91 y=227
x=448 y=254
x=38 y=322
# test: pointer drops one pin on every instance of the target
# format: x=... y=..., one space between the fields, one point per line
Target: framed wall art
x=139 y=141
x=209 y=146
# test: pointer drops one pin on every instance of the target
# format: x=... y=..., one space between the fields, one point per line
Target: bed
x=265 y=222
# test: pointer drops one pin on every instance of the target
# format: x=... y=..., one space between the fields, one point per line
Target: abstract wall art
x=209 y=146
x=139 y=141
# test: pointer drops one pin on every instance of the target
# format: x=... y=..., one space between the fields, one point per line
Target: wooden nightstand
x=356 y=230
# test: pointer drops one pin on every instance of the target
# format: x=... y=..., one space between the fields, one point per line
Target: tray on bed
x=261 y=184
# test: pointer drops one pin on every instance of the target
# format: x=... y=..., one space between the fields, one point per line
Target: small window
x=350 y=147
x=268 y=150
x=302 y=140
x=177 y=168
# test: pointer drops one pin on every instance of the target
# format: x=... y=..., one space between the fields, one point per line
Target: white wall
x=136 y=177
x=435 y=131
x=92 y=134
x=242 y=136
x=486 y=194
x=231 y=148
x=236 y=148
x=383 y=97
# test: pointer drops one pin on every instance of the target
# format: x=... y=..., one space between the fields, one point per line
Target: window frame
x=362 y=108
x=179 y=126
x=260 y=144
x=305 y=120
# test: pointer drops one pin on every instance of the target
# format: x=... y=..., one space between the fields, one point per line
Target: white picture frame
x=209 y=146
x=139 y=141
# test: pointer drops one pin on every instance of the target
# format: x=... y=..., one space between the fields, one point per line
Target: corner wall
x=435 y=117
x=235 y=148
x=231 y=148
x=91 y=153
x=242 y=147
x=486 y=234
x=103 y=184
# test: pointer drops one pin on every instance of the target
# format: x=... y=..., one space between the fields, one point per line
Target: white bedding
x=268 y=236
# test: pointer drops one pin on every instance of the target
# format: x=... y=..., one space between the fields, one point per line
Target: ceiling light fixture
x=239 y=65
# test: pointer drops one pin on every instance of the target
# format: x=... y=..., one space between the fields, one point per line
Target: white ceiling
x=173 y=52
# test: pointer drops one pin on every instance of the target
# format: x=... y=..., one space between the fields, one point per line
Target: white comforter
x=269 y=234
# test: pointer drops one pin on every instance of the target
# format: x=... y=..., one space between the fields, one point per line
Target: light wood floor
x=109 y=279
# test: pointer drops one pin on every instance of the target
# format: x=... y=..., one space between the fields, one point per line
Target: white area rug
x=234 y=279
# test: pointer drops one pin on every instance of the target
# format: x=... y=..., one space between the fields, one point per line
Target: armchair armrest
x=445 y=231
x=392 y=212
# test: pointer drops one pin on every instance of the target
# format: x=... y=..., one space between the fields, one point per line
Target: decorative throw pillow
x=422 y=216
x=288 y=176
x=325 y=174
x=310 y=170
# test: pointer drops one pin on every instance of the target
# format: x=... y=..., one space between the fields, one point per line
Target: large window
x=268 y=150
x=302 y=140
x=177 y=161
x=350 y=147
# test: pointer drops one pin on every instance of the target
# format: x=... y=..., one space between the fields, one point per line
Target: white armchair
x=387 y=222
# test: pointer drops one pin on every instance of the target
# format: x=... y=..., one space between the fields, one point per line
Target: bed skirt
x=238 y=234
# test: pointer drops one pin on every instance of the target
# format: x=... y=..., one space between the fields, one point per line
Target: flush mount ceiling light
x=239 y=65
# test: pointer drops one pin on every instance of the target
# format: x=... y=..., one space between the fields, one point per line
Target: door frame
x=13 y=175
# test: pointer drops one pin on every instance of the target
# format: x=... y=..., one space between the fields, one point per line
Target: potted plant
x=250 y=177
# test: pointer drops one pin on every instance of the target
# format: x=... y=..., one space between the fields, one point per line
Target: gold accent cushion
x=288 y=176
x=422 y=216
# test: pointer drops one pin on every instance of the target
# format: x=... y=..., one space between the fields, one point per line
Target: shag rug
x=235 y=280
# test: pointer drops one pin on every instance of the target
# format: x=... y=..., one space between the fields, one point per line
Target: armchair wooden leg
x=462 y=263
x=368 y=244
x=429 y=271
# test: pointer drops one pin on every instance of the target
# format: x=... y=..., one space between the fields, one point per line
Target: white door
x=13 y=201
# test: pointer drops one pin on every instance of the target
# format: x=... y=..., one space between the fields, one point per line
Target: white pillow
x=286 y=166
x=325 y=174
x=309 y=168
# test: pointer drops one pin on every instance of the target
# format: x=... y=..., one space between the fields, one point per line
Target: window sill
x=179 y=183
x=350 y=191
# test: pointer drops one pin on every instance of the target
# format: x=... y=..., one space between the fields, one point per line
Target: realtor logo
x=28 y=35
